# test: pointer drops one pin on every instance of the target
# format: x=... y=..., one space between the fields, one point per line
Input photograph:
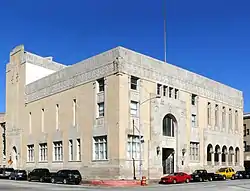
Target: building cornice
x=27 y=57
x=160 y=72
x=88 y=70
x=132 y=63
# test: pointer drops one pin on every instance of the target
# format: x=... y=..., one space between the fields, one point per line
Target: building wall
x=152 y=114
x=246 y=130
x=30 y=108
x=246 y=134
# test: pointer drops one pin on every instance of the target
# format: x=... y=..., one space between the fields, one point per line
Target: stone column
x=212 y=158
x=220 y=158
x=233 y=159
x=226 y=158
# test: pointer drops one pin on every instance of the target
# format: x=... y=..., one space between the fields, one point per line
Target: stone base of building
x=119 y=172
x=113 y=183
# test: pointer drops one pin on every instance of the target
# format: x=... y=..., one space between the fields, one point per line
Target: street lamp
x=140 y=143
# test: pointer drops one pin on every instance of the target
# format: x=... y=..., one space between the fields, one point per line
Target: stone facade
x=90 y=116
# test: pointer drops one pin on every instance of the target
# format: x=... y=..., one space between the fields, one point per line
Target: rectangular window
x=133 y=147
x=170 y=92
x=101 y=109
x=209 y=113
x=100 y=148
x=193 y=120
x=78 y=149
x=216 y=114
x=193 y=99
x=100 y=85
x=165 y=90
x=57 y=116
x=194 y=151
x=74 y=112
x=245 y=130
x=30 y=153
x=30 y=123
x=134 y=83
x=223 y=117
x=42 y=120
x=159 y=89
x=70 y=150
x=58 y=151
x=43 y=152
x=176 y=93
x=230 y=119
x=236 y=120
x=134 y=108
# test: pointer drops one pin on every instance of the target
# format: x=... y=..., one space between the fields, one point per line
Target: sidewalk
x=117 y=183
x=112 y=183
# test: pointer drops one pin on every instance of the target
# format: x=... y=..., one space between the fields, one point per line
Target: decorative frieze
x=77 y=80
x=100 y=97
x=134 y=95
x=130 y=62
x=182 y=79
x=100 y=122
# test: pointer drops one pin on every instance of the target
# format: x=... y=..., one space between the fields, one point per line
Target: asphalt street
x=207 y=186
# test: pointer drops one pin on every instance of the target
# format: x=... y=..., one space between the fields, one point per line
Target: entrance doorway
x=14 y=157
x=168 y=160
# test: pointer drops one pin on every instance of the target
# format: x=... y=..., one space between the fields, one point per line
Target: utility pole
x=165 y=30
x=133 y=158
x=140 y=143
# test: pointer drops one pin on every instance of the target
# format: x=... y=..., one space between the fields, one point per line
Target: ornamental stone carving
x=130 y=62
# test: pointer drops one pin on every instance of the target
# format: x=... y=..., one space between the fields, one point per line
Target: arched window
x=230 y=157
x=209 y=152
x=168 y=126
x=216 y=154
x=224 y=152
x=237 y=156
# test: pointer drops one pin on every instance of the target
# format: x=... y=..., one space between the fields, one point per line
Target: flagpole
x=165 y=30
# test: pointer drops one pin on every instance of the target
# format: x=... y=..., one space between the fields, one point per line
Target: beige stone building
x=101 y=113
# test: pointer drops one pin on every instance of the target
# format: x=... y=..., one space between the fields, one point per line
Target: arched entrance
x=14 y=157
x=169 y=129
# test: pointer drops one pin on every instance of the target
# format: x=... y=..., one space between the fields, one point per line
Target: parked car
x=5 y=172
x=218 y=177
x=241 y=175
x=201 y=175
x=67 y=177
x=227 y=172
x=178 y=177
x=40 y=174
x=18 y=175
